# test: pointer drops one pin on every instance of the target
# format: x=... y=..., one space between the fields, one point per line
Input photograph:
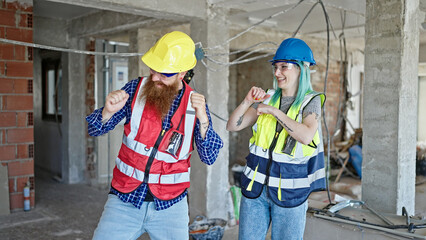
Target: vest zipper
x=151 y=157
x=272 y=146
x=271 y=150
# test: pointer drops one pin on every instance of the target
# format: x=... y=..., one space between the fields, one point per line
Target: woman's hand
x=244 y=115
x=265 y=109
x=256 y=94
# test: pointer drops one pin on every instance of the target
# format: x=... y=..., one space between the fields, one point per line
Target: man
x=163 y=118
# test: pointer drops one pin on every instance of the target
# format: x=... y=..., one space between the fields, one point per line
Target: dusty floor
x=66 y=212
x=72 y=212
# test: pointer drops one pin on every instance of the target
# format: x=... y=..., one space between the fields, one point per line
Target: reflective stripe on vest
x=291 y=183
x=153 y=178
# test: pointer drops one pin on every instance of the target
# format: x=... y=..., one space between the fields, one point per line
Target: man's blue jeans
x=257 y=214
x=123 y=221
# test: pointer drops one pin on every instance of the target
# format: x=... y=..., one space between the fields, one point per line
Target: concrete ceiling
x=283 y=15
x=63 y=11
x=288 y=15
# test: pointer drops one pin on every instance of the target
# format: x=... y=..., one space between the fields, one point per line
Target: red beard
x=160 y=98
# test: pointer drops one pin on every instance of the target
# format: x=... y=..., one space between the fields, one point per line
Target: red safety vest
x=155 y=156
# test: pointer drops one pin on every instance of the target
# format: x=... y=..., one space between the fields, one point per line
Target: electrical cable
x=253 y=26
x=208 y=56
x=218 y=116
x=34 y=45
x=207 y=67
x=401 y=226
x=303 y=21
x=252 y=52
x=239 y=62
x=343 y=85
x=323 y=109
x=241 y=50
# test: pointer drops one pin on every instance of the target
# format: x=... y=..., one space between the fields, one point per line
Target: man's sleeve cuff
x=209 y=135
x=95 y=118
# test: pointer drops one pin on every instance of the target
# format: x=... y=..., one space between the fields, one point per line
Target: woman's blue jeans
x=257 y=214
x=123 y=221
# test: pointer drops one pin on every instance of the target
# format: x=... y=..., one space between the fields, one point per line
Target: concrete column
x=146 y=38
x=133 y=61
x=74 y=151
x=209 y=184
x=390 y=104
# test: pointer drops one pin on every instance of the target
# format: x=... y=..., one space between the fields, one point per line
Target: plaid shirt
x=208 y=148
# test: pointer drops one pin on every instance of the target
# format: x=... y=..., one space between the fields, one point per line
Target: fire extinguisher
x=27 y=205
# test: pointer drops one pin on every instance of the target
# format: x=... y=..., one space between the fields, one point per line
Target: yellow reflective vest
x=290 y=175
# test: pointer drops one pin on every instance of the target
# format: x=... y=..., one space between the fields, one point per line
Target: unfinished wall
x=47 y=134
x=16 y=99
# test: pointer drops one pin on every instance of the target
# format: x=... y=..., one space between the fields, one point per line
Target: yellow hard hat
x=173 y=53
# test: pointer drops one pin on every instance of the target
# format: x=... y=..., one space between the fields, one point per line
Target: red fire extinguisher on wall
x=27 y=203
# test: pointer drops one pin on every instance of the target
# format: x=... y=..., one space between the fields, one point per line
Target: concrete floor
x=66 y=212
x=71 y=212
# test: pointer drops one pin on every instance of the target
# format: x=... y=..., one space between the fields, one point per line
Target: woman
x=286 y=160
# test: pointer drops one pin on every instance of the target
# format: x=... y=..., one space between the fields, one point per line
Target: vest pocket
x=290 y=181
x=288 y=170
x=172 y=143
x=253 y=170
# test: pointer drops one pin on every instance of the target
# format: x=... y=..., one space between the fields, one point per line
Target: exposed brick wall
x=332 y=94
x=16 y=100
x=90 y=104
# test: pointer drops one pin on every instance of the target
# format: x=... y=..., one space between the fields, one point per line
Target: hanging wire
x=207 y=67
x=253 y=26
x=241 y=61
x=34 y=45
x=252 y=52
x=241 y=50
x=343 y=85
x=238 y=60
x=303 y=21
x=306 y=16
x=323 y=109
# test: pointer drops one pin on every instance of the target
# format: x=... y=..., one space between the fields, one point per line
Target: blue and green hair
x=305 y=85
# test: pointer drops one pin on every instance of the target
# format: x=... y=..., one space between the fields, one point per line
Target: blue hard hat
x=294 y=49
